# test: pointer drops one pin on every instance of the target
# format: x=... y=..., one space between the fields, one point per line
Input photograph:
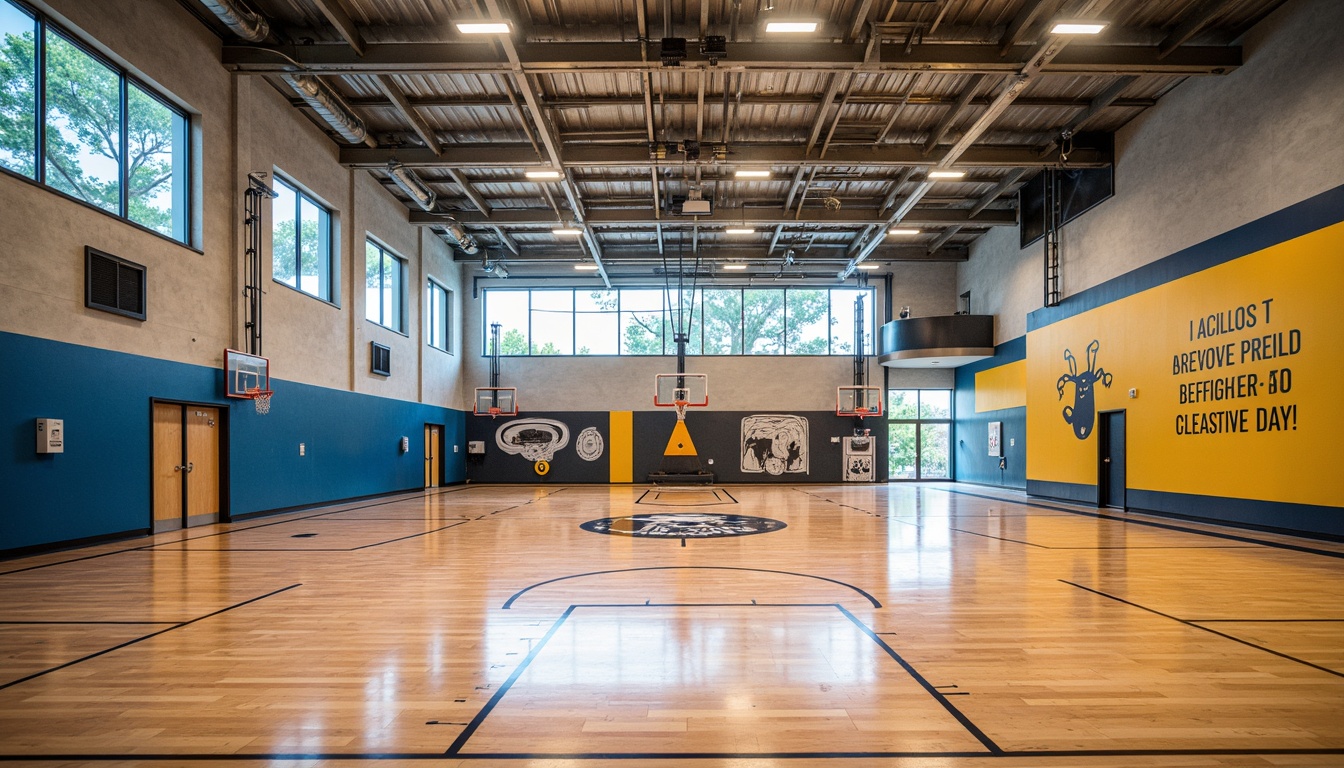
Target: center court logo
x=692 y=526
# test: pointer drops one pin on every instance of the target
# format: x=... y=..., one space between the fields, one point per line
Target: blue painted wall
x=973 y=462
x=100 y=485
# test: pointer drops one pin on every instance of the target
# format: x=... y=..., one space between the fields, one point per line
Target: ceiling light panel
x=791 y=26
x=484 y=27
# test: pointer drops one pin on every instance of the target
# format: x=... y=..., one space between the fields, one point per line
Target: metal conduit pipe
x=332 y=106
x=460 y=238
x=411 y=183
x=250 y=26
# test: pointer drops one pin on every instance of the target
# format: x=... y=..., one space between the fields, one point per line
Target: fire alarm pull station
x=51 y=436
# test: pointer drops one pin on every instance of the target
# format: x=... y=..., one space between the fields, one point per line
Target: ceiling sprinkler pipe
x=331 y=106
x=413 y=185
x=250 y=26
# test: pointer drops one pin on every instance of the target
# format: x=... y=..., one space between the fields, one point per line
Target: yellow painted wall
x=1240 y=324
x=1003 y=386
x=621 y=446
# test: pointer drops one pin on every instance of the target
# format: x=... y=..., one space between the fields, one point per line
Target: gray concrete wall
x=1215 y=153
x=240 y=124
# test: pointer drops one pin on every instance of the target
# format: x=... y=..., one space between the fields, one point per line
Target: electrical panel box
x=51 y=436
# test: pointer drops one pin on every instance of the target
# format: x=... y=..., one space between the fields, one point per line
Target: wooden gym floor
x=904 y=625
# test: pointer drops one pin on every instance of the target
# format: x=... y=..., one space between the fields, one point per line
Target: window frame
x=695 y=345
x=919 y=421
x=400 y=301
x=445 y=327
x=184 y=199
x=327 y=237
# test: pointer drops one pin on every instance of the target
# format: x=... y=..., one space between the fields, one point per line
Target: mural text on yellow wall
x=1237 y=376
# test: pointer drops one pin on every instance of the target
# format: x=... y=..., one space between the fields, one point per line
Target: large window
x=301 y=252
x=919 y=426
x=107 y=140
x=643 y=321
x=438 y=316
x=385 y=287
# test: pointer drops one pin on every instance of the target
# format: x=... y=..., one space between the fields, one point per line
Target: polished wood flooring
x=903 y=625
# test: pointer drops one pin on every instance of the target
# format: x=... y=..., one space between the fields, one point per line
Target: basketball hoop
x=261 y=398
x=680 y=406
x=494 y=411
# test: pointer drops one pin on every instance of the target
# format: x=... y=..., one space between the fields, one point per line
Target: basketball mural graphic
x=687 y=526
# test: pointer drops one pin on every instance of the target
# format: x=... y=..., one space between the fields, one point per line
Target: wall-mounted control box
x=51 y=435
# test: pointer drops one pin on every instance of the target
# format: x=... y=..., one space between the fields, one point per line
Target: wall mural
x=1083 y=413
x=589 y=444
x=536 y=440
x=858 y=459
x=774 y=443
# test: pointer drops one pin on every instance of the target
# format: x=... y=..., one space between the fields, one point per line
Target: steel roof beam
x=538 y=58
x=857 y=99
x=578 y=155
x=820 y=254
x=760 y=217
x=1194 y=21
x=340 y=19
x=407 y=111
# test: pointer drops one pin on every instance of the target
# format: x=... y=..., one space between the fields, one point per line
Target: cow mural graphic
x=1082 y=415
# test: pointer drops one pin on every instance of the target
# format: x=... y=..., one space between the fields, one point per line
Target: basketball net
x=261 y=398
x=680 y=406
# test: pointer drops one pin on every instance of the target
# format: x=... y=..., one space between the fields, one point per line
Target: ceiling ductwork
x=413 y=185
x=250 y=26
x=332 y=107
x=455 y=234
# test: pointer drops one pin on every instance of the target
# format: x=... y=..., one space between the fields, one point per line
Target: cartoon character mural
x=1082 y=415
x=775 y=444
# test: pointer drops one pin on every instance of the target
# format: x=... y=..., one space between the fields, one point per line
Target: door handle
x=191 y=466
x=1106 y=460
x=178 y=468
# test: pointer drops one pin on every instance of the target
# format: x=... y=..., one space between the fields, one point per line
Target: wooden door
x=432 y=458
x=1111 y=441
x=202 y=465
x=168 y=467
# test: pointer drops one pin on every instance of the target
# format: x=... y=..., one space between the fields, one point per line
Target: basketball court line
x=146 y=637
x=1188 y=623
x=455 y=749
x=515 y=596
x=1150 y=523
x=169 y=548
x=151 y=546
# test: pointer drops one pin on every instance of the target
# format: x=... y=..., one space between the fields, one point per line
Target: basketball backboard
x=496 y=401
x=858 y=401
x=692 y=389
x=243 y=372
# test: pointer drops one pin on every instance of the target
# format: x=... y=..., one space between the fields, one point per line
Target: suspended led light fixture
x=541 y=174
x=795 y=26
x=412 y=184
x=740 y=231
x=246 y=24
x=484 y=27
x=735 y=267
x=1077 y=27
x=903 y=232
x=947 y=174
x=586 y=267
x=752 y=174
x=332 y=107
x=866 y=265
x=567 y=232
